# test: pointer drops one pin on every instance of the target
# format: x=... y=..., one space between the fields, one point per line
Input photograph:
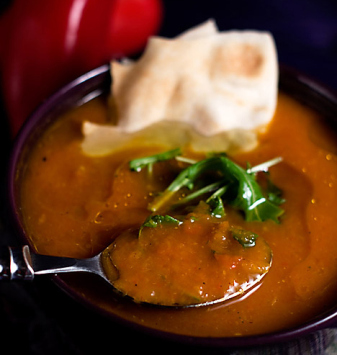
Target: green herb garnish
x=242 y=190
x=264 y=167
x=274 y=193
x=217 y=207
x=246 y=238
x=154 y=221
x=216 y=203
x=139 y=164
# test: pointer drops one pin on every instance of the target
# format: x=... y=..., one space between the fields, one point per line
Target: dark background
x=305 y=31
x=38 y=318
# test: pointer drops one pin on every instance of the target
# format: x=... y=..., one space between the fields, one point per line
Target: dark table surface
x=39 y=318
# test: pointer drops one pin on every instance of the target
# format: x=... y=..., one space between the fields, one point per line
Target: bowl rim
x=289 y=77
x=98 y=75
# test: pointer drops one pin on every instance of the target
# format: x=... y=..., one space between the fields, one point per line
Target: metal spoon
x=22 y=264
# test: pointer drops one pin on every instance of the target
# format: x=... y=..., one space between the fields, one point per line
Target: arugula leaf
x=186 y=178
x=246 y=238
x=198 y=193
x=216 y=203
x=217 y=207
x=264 y=166
x=249 y=197
x=274 y=193
x=244 y=191
x=156 y=220
x=140 y=163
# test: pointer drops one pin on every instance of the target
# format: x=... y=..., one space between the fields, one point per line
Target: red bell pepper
x=47 y=43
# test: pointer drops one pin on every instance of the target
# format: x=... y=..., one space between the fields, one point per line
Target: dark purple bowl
x=90 y=290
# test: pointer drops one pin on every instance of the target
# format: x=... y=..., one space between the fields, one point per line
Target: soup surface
x=75 y=205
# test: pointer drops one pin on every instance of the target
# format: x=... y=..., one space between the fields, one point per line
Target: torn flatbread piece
x=215 y=82
x=102 y=140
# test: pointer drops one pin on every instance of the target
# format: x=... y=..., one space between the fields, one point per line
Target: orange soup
x=76 y=205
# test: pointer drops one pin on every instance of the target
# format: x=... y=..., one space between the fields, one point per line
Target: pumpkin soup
x=76 y=205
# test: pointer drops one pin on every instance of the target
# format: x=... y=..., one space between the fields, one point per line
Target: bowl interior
x=91 y=290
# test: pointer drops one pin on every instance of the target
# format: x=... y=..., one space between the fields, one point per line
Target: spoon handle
x=21 y=264
x=14 y=264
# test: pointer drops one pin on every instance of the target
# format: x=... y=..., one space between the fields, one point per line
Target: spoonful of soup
x=199 y=261
x=190 y=251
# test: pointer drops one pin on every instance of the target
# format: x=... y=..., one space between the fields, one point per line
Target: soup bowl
x=92 y=291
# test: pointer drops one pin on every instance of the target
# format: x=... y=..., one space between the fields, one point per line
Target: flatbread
x=214 y=82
